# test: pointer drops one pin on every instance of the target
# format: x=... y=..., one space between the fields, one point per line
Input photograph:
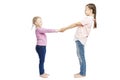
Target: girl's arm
x=44 y=30
x=72 y=26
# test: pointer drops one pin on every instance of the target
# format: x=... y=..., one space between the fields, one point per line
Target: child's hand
x=62 y=30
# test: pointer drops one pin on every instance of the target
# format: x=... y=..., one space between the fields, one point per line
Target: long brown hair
x=93 y=7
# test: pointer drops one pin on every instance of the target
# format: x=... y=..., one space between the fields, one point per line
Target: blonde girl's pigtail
x=32 y=26
x=33 y=22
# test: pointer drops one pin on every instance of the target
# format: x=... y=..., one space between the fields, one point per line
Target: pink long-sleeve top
x=41 y=36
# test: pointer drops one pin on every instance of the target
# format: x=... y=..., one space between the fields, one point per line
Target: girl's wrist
x=57 y=30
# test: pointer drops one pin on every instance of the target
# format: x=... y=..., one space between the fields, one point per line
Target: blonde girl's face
x=88 y=11
x=38 y=22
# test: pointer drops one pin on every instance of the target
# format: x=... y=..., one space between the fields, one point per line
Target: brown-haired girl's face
x=38 y=22
x=87 y=11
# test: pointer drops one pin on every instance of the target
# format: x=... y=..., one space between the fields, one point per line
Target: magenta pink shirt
x=41 y=36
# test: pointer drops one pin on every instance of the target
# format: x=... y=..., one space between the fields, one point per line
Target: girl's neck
x=91 y=15
x=38 y=26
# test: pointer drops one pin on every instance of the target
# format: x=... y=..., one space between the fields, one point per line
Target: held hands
x=69 y=27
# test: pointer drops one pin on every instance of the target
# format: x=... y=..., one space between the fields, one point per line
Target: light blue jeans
x=81 y=57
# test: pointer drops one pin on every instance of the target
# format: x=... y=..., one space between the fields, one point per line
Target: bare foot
x=76 y=73
x=44 y=75
x=78 y=76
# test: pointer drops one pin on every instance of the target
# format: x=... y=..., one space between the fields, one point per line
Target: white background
x=19 y=60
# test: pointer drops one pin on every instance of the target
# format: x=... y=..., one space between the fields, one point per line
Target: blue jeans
x=41 y=50
x=81 y=57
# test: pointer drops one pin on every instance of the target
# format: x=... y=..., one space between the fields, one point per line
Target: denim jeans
x=81 y=57
x=41 y=50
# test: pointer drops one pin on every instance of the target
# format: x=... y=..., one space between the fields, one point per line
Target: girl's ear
x=91 y=10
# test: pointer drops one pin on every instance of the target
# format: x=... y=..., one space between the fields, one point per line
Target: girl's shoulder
x=39 y=28
x=89 y=18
